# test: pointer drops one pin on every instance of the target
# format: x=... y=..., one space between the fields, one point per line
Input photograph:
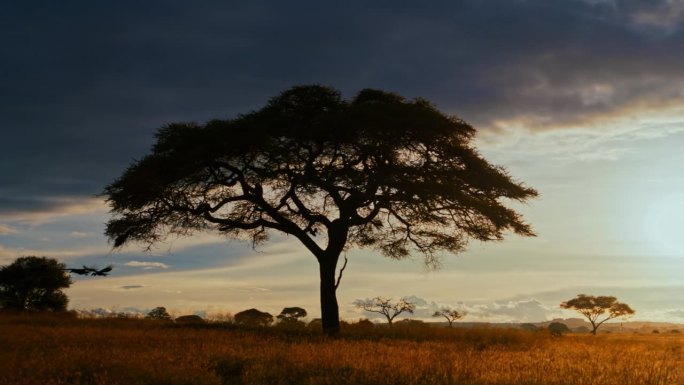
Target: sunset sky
x=581 y=99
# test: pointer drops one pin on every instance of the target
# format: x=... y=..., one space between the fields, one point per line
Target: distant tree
x=291 y=314
x=253 y=317
x=290 y=318
x=594 y=308
x=557 y=329
x=386 y=307
x=34 y=283
x=376 y=171
x=159 y=313
x=451 y=315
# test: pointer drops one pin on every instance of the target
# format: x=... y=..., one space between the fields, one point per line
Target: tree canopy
x=253 y=317
x=291 y=314
x=386 y=307
x=159 y=313
x=377 y=171
x=595 y=307
x=34 y=284
x=450 y=314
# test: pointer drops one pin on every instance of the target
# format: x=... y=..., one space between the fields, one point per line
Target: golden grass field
x=53 y=350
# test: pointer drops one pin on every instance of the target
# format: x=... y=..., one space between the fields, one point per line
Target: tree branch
x=339 y=277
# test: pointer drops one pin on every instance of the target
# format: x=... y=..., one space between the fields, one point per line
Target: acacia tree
x=34 y=283
x=376 y=171
x=291 y=314
x=386 y=307
x=451 y=315
x=593 y=308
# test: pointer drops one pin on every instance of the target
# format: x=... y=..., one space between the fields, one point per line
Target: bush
x=557 y=329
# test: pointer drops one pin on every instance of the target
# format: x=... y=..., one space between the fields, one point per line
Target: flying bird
x=92 y=271
x=102 y=272
x=84 y=271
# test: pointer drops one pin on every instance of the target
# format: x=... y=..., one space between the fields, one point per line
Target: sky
x=581 y=99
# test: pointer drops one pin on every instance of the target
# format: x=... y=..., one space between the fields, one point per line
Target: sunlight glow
x=664 y=225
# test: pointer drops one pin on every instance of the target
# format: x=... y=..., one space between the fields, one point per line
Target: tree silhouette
x=34 y=283
x=253 y=317
x=190 y=319
x=557 y=329
x=291 y=314
x=386 y=307
x=289 y=318
x=451 y=315
x=377 y=171
x=593 y=308
x=159 y=313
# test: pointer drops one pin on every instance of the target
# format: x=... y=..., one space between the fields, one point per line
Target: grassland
x=52 y=351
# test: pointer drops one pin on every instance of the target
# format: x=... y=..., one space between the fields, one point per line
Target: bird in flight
x=92 y=271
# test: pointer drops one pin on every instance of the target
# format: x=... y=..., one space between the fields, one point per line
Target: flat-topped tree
x=598 y=309
x=376 y=171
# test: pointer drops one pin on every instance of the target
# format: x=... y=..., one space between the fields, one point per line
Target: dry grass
x=67 y=351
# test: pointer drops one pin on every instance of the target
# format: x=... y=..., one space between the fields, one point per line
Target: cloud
x=106 y=312
x=678 y=313
x=530 y=310
x=131 y=287
x=6 y=229
x=538 y=63
x=665 y=15
x=613 y=141
x=78 y=234
x=254 y=290
x=66 y=254
x=147 y=265
x=41 y=210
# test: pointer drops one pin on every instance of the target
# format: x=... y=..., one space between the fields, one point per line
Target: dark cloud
x=86 y=84
x=131 y=287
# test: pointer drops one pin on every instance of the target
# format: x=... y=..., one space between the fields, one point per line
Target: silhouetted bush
x=253 y=317
x=529 y=327
x=159 y=313
x=190 y=319
x=557 y=329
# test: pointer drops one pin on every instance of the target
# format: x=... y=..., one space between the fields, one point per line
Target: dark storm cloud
x=85 y=84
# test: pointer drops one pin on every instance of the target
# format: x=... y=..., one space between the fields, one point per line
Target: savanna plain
x=53 y=350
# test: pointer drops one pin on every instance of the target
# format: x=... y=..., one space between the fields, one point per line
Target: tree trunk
x=330 y=314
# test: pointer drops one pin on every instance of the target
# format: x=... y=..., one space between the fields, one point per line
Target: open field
x=53 y=351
